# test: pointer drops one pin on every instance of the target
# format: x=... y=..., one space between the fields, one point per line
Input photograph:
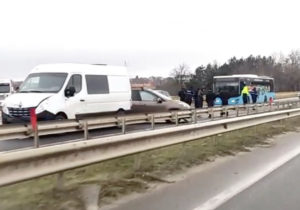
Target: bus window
x=231 y=87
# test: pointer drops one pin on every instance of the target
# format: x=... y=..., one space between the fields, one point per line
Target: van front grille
x=19 y=112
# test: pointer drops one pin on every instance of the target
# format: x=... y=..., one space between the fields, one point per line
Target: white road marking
x=226 y=195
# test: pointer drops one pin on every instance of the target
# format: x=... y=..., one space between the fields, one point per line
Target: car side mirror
x=70 y=91
x=159 y=100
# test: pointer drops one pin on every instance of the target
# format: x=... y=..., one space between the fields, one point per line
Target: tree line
x=284 y=69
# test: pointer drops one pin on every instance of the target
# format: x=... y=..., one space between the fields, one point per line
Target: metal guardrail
x=23 y=165
x=57 y=127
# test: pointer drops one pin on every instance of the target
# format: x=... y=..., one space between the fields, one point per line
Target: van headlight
x=40 y=108
x=5 y=109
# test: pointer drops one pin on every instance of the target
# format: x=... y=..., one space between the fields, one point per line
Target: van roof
x=81 y=68
x=5 y=81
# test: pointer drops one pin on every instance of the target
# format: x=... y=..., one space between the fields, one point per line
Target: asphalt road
x=17 y=144
x=278 y=191
x=199 y=188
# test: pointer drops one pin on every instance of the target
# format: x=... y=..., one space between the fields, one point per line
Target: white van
x=66 y=91
x=6 y=89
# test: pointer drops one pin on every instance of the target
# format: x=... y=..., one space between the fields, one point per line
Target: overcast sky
x=151 y=37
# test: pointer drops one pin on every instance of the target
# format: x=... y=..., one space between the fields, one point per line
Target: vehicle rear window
x=97 y=84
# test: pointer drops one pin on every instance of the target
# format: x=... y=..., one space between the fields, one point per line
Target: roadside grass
x=282 y=95
x=134 y=173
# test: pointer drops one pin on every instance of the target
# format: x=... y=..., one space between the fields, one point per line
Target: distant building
x=142 y=82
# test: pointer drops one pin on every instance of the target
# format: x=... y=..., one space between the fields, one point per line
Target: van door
x=75 y=104
x=98 y=97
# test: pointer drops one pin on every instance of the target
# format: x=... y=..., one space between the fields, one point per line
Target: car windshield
x=4 y=88
x=164 y=92
x=158 y=93
x=43 y=82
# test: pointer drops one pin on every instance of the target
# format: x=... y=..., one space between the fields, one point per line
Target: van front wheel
x=60 y=116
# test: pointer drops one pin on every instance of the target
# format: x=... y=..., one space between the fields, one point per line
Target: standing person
x=210 y=97
x=253 y=94
x=200 y=96
x=182 y=94
x=196 y=98
x=224 y=95
x=245 y=93
x=189 y=96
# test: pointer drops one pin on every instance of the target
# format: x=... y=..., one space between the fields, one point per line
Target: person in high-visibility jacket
x=245 y=94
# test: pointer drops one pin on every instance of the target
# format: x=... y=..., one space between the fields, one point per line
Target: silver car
x=150 y=101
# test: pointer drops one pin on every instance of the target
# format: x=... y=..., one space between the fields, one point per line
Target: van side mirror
x=70 y=91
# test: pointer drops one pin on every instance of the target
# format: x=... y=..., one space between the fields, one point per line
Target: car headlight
x=5 y=109
x=185 y=105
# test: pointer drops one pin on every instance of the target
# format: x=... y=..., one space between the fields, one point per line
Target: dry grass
x=133 y=173
x=282 y=95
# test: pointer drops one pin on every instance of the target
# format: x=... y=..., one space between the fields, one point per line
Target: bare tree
x=181 y=74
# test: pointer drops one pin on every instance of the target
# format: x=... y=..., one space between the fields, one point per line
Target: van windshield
x=43 y=83
x=4 y=88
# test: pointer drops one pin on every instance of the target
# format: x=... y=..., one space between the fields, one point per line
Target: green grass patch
x=134 y=173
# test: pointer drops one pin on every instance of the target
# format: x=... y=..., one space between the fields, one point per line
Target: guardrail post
x=36 y=138
x=86 y=130
x=248 y=110
x=59 y=185
x=212 y=116
x=152 y=122
x=137 y=162
x=214 y=139
x=237 y=111
x=123 y=125
x=89 y=195
x=195 y=115
x=278 y=106
x=176 y=118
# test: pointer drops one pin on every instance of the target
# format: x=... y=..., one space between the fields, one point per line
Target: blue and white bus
x=229 y=88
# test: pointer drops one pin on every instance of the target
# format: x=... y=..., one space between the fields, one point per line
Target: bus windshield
x=4 y=88
x=43 y=82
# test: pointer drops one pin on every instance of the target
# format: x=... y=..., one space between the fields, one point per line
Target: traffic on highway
x=149 y=105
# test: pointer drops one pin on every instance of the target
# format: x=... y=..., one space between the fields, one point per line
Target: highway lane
x=17 y=144
x=279 y=190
